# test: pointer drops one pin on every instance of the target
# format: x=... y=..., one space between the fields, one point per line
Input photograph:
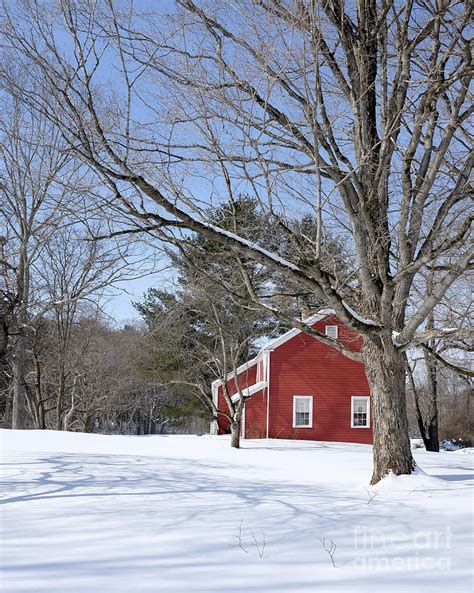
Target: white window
x=360 y=411
x=331 y=331
x=302 y=411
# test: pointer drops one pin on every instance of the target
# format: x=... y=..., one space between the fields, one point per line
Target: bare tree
x=50 y=265
x=433 y=359
x=356 y=111
x=5 y=311
x=32 y=208
x=113 y=390
x=75 y=272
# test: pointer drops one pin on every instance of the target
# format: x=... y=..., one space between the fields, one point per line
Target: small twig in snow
x=329 y=547
x=239 y=538
x=260 y=547
x=260 y=550
x=371 y=494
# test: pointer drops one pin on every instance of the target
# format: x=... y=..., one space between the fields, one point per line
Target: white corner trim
x=367 y=398
x=215 y=392
x=267 y=378
x=310 y=399
x=248 y=391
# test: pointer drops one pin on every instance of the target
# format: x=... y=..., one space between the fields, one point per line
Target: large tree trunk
x=427 y=422
x=4 y=338
x=69 y=415
x=386 y=376
x=37 y=411
x=19 y=413
x=235 y=433
x=35 y=401
x=19 y=384
x=41 y=417
x=428 y=428
x=419 y=416
x=431 y=439
x=430 y=435
x=151 y=421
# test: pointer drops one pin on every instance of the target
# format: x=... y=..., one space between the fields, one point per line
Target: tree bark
x=235 y=434
x=4 y=339
x=151 y=422
x=36 y=403
x=429 y=428
x=72 y=409
x=431 y=437
x=386 y=376
x=60 y=396
x=19 y=385
x=428 y=421
x=432 y=440
x=419 y=415
x=88 y=423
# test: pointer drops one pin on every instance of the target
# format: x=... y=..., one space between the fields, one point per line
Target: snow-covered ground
x=168 y=514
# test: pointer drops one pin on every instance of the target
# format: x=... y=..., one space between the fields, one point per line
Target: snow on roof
x=277 y=342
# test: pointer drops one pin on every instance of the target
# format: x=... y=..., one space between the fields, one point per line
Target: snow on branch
x=356 y=315
x=253 y=246
x=436 y=333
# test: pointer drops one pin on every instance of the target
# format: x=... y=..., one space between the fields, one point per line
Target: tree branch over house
x=381 y=119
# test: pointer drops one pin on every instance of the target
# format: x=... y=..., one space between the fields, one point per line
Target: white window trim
x=310 y=399
x=367 y=398
x=332 y=327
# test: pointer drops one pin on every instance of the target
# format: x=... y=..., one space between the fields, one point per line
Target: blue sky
x=119 y=306
x=119 y=299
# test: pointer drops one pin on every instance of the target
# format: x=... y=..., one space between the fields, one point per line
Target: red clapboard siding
x=246 y=379
x=305 y=366
x=256 y=416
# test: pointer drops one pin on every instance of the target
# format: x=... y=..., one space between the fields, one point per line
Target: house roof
x=277 y=342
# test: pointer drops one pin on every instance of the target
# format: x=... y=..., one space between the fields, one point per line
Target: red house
x=298 y=387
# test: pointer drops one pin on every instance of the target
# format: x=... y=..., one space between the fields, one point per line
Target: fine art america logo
x=402 y=550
